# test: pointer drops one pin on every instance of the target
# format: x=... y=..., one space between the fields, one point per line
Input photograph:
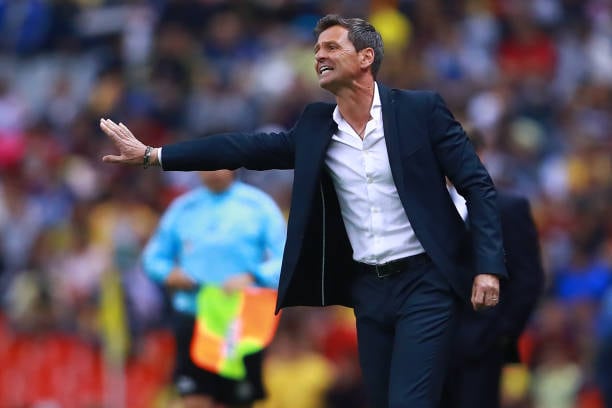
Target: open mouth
x=324 y=68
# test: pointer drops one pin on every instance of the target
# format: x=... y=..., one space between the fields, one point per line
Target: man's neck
x=355 y=102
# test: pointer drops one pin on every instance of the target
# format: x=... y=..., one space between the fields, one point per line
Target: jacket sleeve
x=255 y=151
x=462 y=166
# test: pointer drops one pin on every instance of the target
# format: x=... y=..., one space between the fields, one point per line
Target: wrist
x=150 y=157
x=146 y=159
x=252 y=278
x=155 y=157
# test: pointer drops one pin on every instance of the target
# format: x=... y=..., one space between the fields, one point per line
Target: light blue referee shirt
x=214 y=236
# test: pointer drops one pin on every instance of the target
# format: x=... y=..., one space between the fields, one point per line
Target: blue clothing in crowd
x=214 y=236
x=583 y=283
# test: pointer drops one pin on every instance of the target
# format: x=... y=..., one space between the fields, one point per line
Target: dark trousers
x=603 y=368
x=474 y=383
x=404 y=326
x=190 y=379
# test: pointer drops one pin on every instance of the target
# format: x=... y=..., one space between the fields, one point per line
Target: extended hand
x=131 y=149
x=485 y=291
x=238 y=282
x=177 y=279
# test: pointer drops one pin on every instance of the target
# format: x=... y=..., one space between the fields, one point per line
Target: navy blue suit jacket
x=425 y=144
x=502 y=325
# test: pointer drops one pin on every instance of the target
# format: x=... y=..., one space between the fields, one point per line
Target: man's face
x=336 y=61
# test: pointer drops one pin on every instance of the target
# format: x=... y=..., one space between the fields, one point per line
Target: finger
x=114 y=128
x=109 y=130
x=118 y=130
x=491 y=299
x=110 y=122
x=112 y=159
x=117 y=134
x=122 y=129
x=126 y=131
x=104 y=125
x=475 y=291
x=478 y=299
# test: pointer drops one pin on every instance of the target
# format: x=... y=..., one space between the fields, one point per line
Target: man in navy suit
x=371 y=224
x=485 y=340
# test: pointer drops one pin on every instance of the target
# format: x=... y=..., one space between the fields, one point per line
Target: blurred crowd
x=534 y=76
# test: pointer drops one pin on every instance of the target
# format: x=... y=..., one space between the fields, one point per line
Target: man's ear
x=366 y=57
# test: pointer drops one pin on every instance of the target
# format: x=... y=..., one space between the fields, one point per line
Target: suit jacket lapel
x=322 y=132
x=315 y=137
x=392 y=141
x=324 y=135
x=310 y=162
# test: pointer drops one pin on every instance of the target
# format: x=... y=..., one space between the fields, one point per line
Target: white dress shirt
x=375 y=220
x=459 y=202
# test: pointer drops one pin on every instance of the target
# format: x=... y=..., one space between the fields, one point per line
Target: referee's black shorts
x=190 y=379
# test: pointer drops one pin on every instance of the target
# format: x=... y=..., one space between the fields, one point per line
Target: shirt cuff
x=159 y=159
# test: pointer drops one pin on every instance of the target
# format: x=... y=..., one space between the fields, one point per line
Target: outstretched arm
x=257 y=151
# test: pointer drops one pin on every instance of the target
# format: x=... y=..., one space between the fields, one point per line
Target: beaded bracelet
x=147 y=157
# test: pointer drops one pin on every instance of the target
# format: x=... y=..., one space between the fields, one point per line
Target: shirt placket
x=373 y=208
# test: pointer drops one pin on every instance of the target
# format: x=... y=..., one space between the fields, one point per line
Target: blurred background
x=80 y=324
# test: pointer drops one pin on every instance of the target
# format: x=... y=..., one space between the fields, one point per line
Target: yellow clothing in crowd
x=297 y=383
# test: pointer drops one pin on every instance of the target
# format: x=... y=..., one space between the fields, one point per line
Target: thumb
x=112 y=159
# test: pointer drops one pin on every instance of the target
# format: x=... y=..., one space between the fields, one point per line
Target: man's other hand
x=485 y=291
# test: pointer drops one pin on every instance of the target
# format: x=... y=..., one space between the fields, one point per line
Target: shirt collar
x=376 y=104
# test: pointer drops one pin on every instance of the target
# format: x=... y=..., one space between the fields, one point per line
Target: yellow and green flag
x=230 y=326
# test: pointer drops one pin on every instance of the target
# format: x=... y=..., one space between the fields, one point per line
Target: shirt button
x=369 y=180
